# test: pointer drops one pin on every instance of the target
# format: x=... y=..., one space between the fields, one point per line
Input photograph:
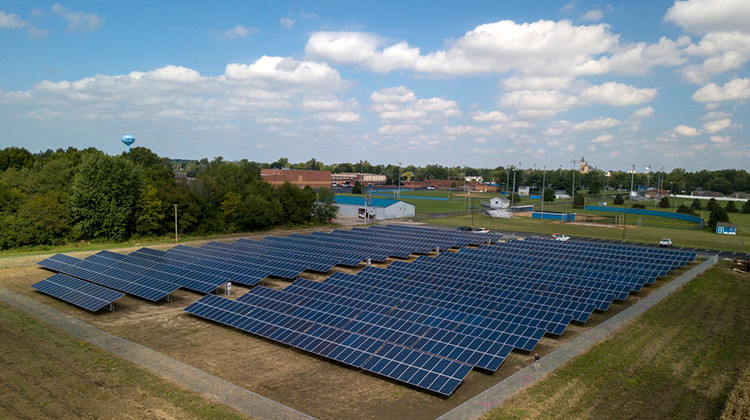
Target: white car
x=560 y=237
x=665 y=242
x=481 y=230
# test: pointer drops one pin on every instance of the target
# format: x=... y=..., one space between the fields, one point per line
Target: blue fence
x=413 y=197
x=565 y=217
x=644 y=212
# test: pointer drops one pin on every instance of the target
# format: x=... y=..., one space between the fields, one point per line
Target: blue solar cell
x=78 y=292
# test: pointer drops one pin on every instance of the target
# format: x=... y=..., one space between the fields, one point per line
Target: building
x=499 y=203
x=377 y=208
x=524 y=191
x=653 y=193
x=349 y=178
x=298 y=177
x=585 y=167
x=723 y=228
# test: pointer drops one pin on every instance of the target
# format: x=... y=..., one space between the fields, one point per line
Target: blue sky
x=659 y=83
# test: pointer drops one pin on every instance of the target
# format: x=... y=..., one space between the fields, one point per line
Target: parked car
x=430 y=188
x=560 y=237
x=665 y=242
x=481 y=230
x=464 y=228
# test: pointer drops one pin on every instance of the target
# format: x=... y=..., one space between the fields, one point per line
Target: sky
x=484 y=84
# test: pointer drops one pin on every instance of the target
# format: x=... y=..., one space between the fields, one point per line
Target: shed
x=499 y=203
x=524 y=191
x=378 y=208
x=723 y=228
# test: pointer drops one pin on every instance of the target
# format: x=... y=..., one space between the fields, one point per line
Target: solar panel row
x=78 y=292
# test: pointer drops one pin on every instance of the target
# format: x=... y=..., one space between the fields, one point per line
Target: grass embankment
x=46 y=373
x=681 y=359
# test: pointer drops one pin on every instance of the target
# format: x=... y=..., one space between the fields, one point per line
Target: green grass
x=47 y=373
x=681 y=359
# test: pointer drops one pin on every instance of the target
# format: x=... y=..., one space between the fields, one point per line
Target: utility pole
x=507 y=176
x=399 y=178
x=513 y=191
x=573 y=189
x=632 y=175
x=175 y=222
x=544 y=182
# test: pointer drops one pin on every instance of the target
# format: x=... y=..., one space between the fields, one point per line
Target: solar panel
x=78 y=292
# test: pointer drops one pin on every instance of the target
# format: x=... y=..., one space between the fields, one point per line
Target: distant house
x=652 y=193
x=524 y=191
x=723 y=228
x=561 y=194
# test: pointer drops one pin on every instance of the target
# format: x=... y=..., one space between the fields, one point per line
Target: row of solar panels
x=151 y=274
x=456 y=306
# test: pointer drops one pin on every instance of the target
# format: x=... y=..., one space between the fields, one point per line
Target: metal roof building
x=378 y=208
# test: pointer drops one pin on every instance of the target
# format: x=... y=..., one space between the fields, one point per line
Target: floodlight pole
x=632 y=176
x=573 y=189
x=399 y=178
x=512 y=192
x=175 y=222
x=544 y=181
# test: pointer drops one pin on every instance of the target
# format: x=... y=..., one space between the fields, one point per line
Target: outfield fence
x=236 y=397
x=498 y=393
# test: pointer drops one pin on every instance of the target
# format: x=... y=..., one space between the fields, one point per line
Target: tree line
x=54 y=197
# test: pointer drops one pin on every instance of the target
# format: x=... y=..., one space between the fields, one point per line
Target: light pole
x=513 y=191
x=507 y=176
x=399 y=178
x=544 y=182
x=648 y=176
x=632 y=175
x=573 y=190
x=175 y=222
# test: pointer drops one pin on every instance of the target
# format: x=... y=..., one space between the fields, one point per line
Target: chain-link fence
x=190 y=377
x=494 y=396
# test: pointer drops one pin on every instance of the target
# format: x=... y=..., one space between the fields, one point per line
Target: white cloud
x=286 y=23
x=715 y=126
x=701 y=16
x=244 y=91
x=604 y=138
x=338 y=117
x=457 y=130
x=390 y=130
x=724 y=51
x=596 y=124
x=492 y=116
x=537 y=83
x=734 y=90
x=642 y=113
x=593 y=15
x=239 y=31
x=539 y=48
x=78 y=21
x=11 y=21
x=686 y=131
x=617 y=94
x=720 y=139
x=639 y=58
x=538 y=99
x=480 y=140
x=400 y=104
x=38 y=33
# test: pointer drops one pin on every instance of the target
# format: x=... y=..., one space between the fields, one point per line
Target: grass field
x=681 y=359
x=650 y=231
x=47 y=373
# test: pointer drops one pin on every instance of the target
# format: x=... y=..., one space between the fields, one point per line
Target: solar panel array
x=78 y=292
x=469 y=308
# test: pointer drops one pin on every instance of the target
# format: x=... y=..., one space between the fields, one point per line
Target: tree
x=105 y=193
x=712 y=204
x=325 y=207
x=619 y=200
x=579 y=200
x=717 y=215
x=730 y=207
x=682 y=208
x=696 y=204
x=595 y=187
x=746 y=207
x=549 y=194
x=296 y=203
x=638 y=206
x=516 y=198
x=357 y=188
x=151 y=212
x=664 y=202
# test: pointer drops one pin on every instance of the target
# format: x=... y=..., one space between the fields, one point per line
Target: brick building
x=298 y=177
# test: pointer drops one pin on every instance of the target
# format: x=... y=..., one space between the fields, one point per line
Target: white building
x=499 y=203
x=377 y=208
x=524 y=191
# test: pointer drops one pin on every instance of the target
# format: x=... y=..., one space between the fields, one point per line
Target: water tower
x=128 y=139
